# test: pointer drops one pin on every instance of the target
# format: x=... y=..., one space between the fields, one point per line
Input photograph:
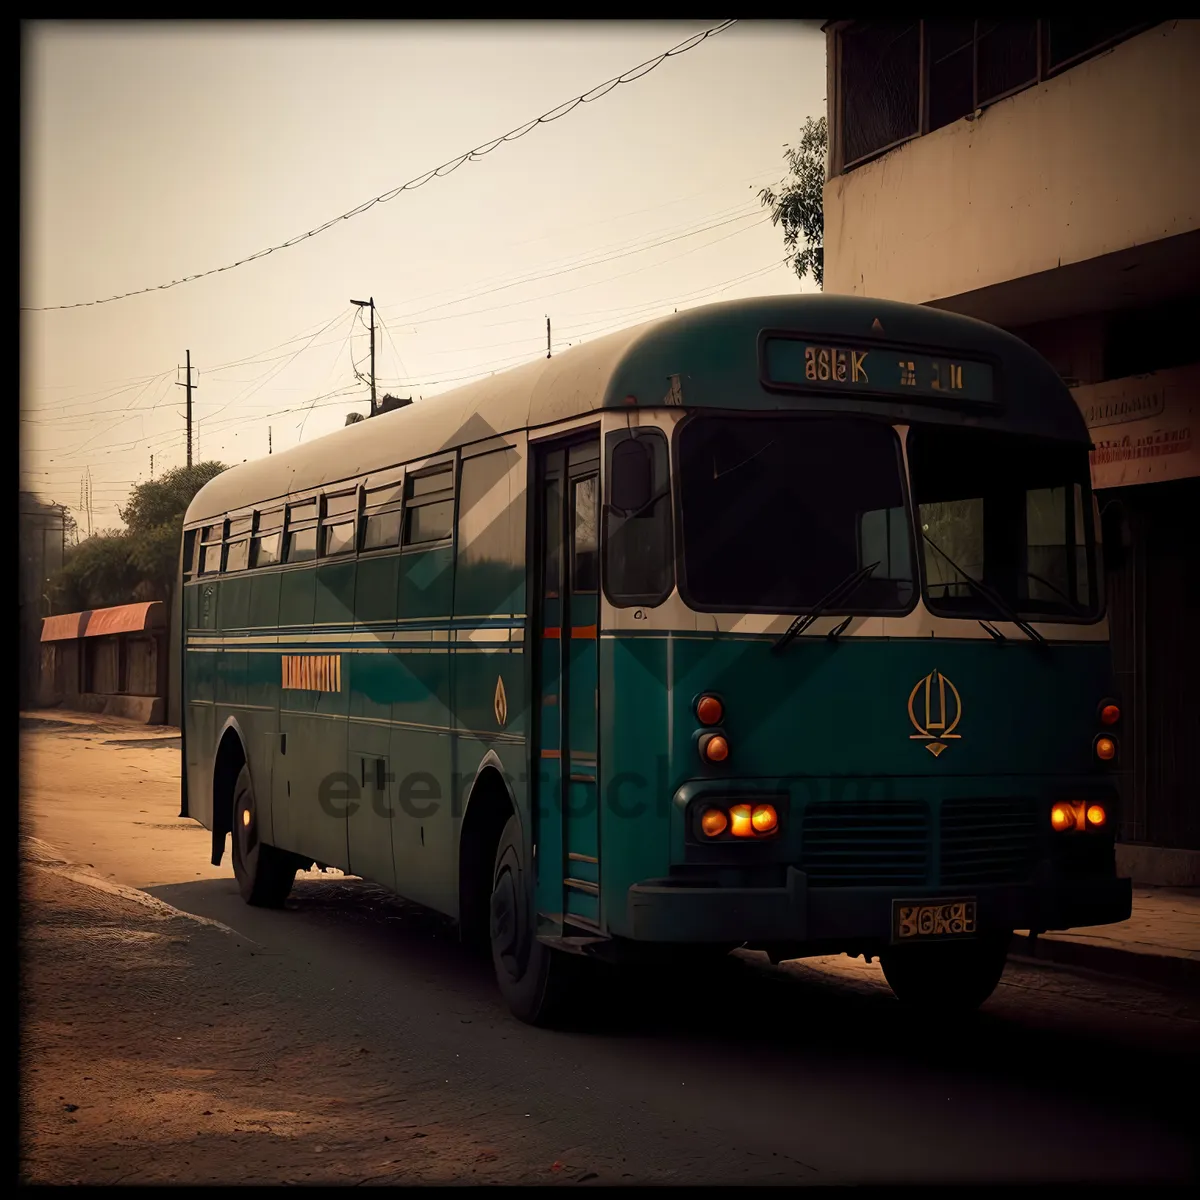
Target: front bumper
x=660 y=911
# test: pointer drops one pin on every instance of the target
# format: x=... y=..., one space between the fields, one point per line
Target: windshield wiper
x=838 y=592
x=989 y=595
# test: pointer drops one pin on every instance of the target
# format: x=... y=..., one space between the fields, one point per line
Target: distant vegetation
x=140 y=561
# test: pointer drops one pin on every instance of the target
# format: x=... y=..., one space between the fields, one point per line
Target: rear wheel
x=536 y=981
x=947 y=979
x=264 y=873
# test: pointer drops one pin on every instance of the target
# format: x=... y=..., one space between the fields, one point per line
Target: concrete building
x=1044 y=175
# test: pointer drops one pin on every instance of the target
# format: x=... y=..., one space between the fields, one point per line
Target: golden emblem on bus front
x=935 y=709
x=500 y=703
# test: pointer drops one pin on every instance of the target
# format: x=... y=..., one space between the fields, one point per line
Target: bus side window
x=189 y=553
x=212 y=538
x=639 y=546
x=268 y=534
x=340 y=524
x=237 y=543
x=381 y=516
x=429 y=509
x=301 y=539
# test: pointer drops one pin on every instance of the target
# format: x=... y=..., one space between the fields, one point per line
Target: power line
x=618 y=318
x=604 y=253
x=447 y=168
x=593 y=258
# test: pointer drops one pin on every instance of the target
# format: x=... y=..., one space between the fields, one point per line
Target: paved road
x=349 y=1038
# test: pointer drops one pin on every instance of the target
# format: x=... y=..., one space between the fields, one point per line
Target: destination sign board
x=802 y=364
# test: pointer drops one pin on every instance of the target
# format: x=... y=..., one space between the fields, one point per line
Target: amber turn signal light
x=714 y=748
x=1106 y=749
x=709 y=710
x=1110 y=714
x=1068 y=814
x=1063 y=816
x=764 y=818
x=1096 y=815
x=741 y=822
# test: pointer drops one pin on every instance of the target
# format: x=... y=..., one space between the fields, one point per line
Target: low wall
x=1159 y=867
x=149 y=710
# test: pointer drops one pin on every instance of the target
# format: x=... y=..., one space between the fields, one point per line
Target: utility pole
x=371 y=305
x=547 y=337
x=189 y=385
x=152 y=466
x=268 y=439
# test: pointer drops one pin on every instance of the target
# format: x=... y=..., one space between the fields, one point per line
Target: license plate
x=922 y=920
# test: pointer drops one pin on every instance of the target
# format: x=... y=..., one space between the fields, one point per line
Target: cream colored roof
x=539 y=393
x=710 y=351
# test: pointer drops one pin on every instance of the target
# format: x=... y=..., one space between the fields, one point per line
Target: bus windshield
x=777 y=511
x=1013 y=513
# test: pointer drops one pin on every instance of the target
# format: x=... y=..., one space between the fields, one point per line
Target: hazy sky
x=155 y=151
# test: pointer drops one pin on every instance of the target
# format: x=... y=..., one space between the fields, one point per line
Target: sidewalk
x=1160 y=942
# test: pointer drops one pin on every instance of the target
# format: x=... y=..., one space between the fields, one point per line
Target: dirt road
x=170 y=1034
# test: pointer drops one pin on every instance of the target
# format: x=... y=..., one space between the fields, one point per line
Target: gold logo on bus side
x=940 y=721
x=501 y=702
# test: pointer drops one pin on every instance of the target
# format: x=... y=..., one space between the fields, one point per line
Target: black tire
x=953 y=978
x=537 y=982
x=264 y=873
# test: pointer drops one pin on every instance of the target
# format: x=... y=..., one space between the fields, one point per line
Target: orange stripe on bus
x=551 y=754
x=552 y=631
x=583 y=631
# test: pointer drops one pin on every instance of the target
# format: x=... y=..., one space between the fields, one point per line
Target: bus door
x=565 y=745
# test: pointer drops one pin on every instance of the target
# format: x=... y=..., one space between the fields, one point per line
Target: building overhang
x=1152 y=273
x=103 y=622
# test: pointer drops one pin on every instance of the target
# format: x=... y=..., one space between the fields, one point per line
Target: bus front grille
x=865 y=844
x=988 y=840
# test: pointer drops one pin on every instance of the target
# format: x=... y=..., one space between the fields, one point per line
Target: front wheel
x=264 y=873
x=536 y=981
x=947 y=979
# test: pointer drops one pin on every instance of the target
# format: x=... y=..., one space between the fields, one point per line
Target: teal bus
x=775 y=624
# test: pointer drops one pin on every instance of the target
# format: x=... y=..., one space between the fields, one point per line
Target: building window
x=950 y=75
x=1006 y=58
x=973 y=63
x=1070 y=40
x=900 y=79
x=881 y=86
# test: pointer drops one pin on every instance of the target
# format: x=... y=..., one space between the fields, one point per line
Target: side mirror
x=632 y=475
x=1117 y=535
